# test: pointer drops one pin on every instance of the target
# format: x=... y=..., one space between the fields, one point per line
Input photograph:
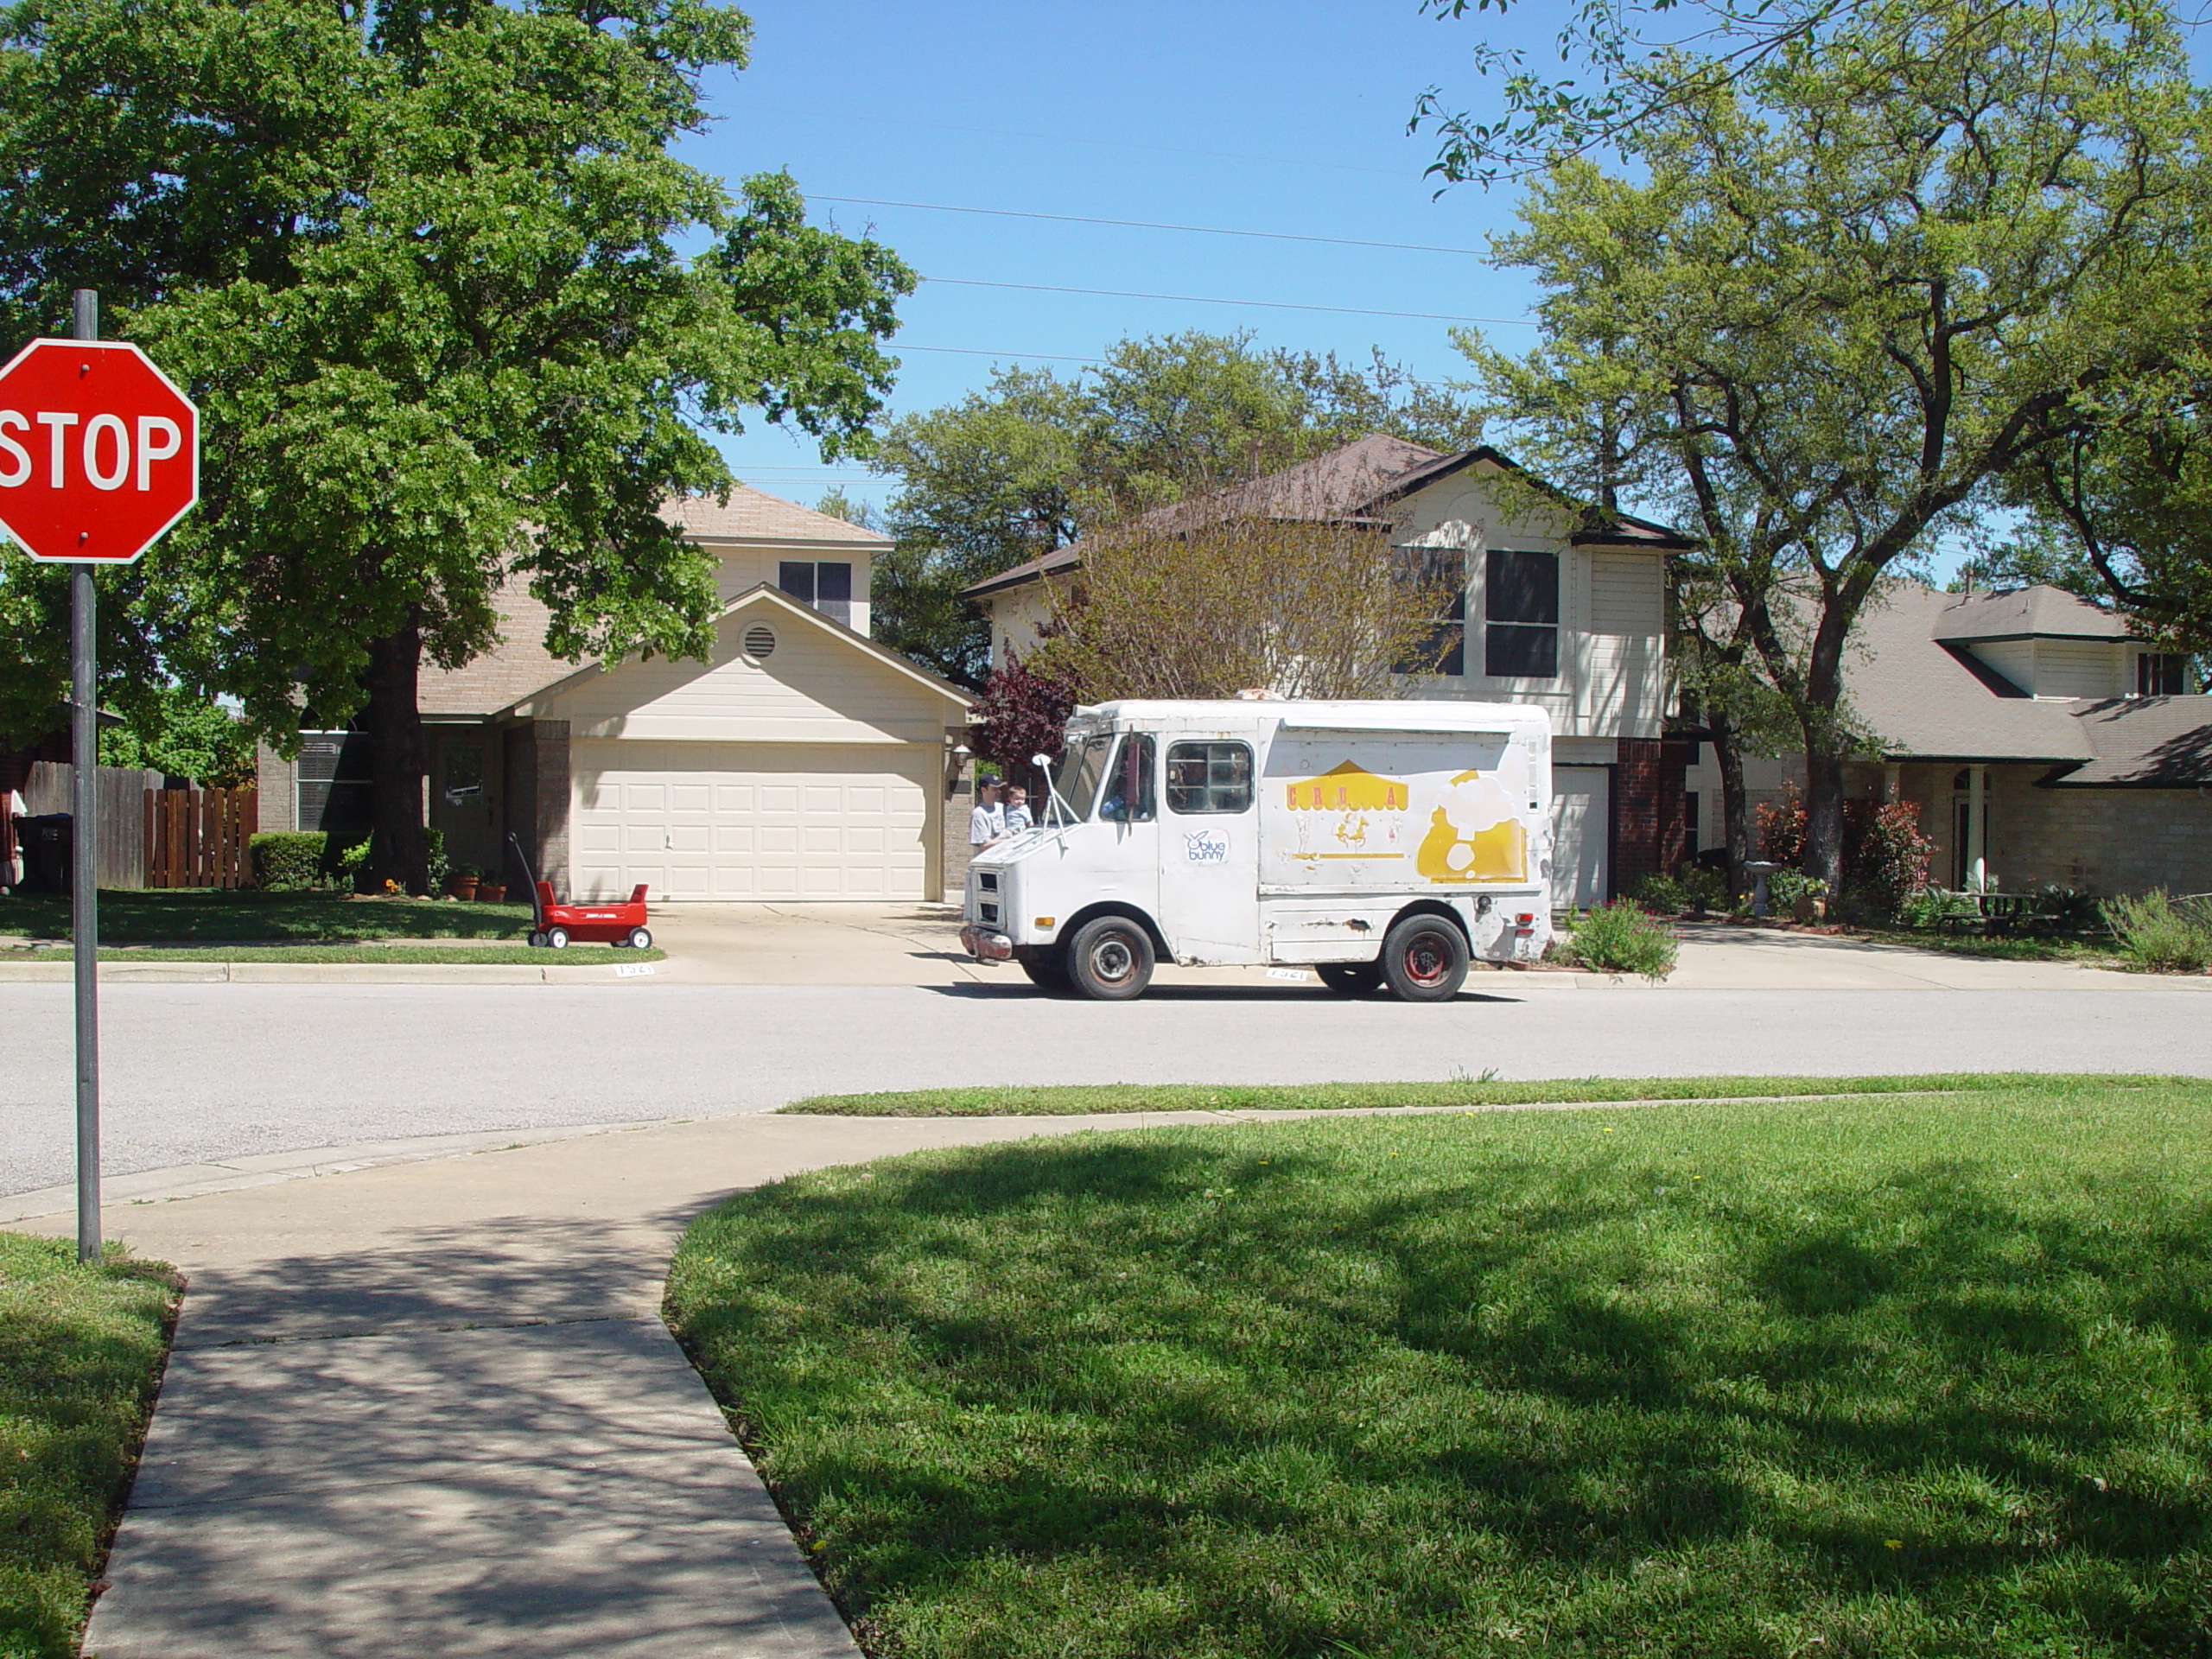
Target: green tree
x=1850 y=291
x=1036 y=459
x=166 y=728
x=419 y=268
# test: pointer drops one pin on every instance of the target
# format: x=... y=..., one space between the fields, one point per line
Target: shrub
x=1785 y=887
x=2162 y=933
x=1662 y=895
x=1703 y=887
x=1886 y=855
x=286 y=861
x=1622 y=937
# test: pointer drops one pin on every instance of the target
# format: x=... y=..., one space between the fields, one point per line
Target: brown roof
x=2146 y=743
x=519 y=666
x=1356 y=482
x=751 y=515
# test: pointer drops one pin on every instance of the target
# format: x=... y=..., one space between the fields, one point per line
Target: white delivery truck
x=1379 y=842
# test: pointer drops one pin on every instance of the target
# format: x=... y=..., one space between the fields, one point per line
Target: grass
x=2094 y=952
x=1062 y=1100
x=1878 y=1377
x=405 y=955
x=211 y=916
x=81 y=1350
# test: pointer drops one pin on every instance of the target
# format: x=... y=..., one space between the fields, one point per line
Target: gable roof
x=1911 y=675
x=762 y=596
x=751 y=515
x=1355 y=483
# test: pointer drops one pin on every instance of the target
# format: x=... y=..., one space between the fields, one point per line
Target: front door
x=1210 y=846
x=1582 y=817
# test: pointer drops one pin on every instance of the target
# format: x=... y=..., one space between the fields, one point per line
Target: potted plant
x=491 y=888
x=462 y=882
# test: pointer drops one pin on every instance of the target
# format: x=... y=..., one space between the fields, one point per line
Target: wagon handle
x=530 y=881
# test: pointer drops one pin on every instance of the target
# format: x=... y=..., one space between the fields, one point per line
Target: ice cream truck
x=1380 y=843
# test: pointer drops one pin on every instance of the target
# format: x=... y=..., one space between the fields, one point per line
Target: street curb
x=328 y=973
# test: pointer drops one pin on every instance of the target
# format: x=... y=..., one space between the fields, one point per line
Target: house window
x=1521 y=616
x=1209 y=778
x=2161 y=674
x=334 y=792
x=1444 y=649
x=827 y=586
x=1691 y=828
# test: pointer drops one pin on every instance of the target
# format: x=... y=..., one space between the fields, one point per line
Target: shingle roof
x=1924 y=701
x=1911 y=677
x=1357 y=482
x=520 y=666
x=2020 y=612
x=751 y=515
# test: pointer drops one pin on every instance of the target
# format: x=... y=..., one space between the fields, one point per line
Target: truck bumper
x=985 y=944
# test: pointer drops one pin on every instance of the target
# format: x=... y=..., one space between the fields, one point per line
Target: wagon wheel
x=641 y=938
x=557 y=938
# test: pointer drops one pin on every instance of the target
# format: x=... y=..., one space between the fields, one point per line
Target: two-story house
x=2043 y=742
x=1554 y=606
x=801 y=760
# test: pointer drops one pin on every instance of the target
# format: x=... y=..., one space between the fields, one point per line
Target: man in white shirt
x=987 y=823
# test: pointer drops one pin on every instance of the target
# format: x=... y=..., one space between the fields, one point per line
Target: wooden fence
x=121 y=791
x=197 y=837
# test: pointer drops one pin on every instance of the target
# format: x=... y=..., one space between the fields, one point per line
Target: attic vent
x=759 y=643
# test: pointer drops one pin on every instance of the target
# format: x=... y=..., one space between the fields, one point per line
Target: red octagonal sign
x=99 y=454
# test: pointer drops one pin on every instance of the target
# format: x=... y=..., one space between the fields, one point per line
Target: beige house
x=1553 y=608
x=2044 y=744
x=801 y=761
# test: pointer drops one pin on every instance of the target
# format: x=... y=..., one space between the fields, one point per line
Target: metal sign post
x=99 y=456
x=83 y=854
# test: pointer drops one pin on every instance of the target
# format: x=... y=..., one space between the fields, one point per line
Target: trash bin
x=46 y=843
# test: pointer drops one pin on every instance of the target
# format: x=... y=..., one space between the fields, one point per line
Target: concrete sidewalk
x=432 y=1409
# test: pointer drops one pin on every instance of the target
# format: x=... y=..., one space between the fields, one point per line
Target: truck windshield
x=1081 y=769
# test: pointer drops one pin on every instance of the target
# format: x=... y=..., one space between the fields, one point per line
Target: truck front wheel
x=1111 y=959
x=1425 y=959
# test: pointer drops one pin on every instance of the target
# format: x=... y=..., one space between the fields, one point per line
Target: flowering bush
x=1886 y=854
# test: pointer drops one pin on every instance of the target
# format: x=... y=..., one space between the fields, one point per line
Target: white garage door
x=1582 y=820
x=720 y=821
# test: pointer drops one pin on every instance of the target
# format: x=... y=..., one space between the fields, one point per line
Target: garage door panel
x=729 y=821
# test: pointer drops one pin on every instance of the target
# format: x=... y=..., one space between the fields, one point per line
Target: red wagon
x=555 y=924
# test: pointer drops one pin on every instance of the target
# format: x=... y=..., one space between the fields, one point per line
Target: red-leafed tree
x=1022 y=714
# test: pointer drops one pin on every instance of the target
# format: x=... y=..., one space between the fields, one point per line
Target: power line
x=976 y=351
x=1148 y=225
x=1076 y=138
x=1205 y=299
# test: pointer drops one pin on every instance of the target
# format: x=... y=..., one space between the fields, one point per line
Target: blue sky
x=1289 y=118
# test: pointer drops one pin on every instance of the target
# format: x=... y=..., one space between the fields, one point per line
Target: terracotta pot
x=490 y=893
x=462 y=886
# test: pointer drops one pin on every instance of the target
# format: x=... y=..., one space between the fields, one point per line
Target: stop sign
x=99 y=454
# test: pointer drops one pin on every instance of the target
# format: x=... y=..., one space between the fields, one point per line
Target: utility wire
x=1076 y=138
x=976 y=351
x=1148 y=224
x=1205 y=299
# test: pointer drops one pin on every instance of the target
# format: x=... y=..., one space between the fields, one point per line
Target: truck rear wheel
x=1110 y=960
x=1351 y=978
x=1045 y=965
x=1425 y=959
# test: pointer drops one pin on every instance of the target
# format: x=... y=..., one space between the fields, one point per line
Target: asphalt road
x=194 y=1072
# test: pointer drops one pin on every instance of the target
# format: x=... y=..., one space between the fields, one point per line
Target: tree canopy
x=423 y=269
x=1838 y=300
x=1039 y=458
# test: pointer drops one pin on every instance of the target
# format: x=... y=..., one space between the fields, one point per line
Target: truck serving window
x=1205 y=778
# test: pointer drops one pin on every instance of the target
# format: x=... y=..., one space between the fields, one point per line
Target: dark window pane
x=1514 y=651
x=1445 y=651
x=833 y=582
x=2159 y=675
x=1521 y=586
x=1128 y=797
x=1207 y=777
x=797 y=579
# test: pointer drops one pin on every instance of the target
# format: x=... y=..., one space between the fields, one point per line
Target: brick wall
x=276 y=781
x=536 y=768
x=1649 y=820
x=2103 y=840
x=959 y=802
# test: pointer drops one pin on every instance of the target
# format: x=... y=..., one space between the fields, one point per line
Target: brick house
x=1554 y=607
x=2044 y=744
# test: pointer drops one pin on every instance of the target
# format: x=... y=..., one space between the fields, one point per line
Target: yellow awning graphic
x=1346 y=788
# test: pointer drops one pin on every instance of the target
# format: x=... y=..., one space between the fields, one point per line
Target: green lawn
x=1884 y=1377
x=81 y=1352
x=2100 y=952
x=214 y=916
x=414 y=956
x=1061 y=1100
